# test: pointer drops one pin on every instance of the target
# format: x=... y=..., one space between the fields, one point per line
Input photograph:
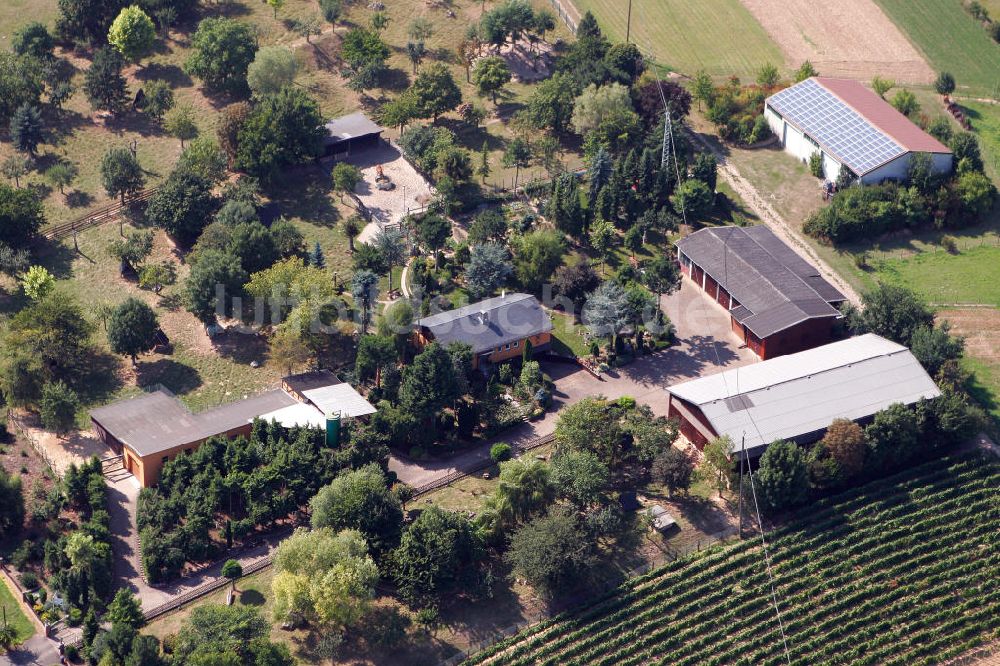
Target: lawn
x=689 y=36
x=14 y=613
x=900 y=571
x=985 y=119
x=951 y=40
x=970 y=276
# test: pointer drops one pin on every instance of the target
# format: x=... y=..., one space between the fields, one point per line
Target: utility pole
x=628 y=22
x=743 y=455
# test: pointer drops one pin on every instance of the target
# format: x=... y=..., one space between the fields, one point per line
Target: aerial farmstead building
x=777 y=301
x=351 y=134
x=496 y=328
x=156 y=427
x=850 y=125
x=797 y=397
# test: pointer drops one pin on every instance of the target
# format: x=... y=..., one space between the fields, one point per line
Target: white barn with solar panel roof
x=850 y=125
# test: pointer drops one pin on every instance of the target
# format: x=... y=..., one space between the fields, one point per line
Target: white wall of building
x=898 y=168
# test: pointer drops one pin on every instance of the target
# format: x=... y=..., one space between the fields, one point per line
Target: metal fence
x=567 y=12
x=39 y=449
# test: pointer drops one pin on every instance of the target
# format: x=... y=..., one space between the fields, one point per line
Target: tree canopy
x=222 y=52
x=361 y=500
x=132 y=328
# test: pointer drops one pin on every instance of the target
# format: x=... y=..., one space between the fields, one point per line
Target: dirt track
x=849 y=38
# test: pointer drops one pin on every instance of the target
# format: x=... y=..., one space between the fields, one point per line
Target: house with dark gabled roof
x=778 y=302
x=496 y=328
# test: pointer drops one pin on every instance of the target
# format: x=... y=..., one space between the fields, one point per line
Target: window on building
x=165 y=459
x=515 y=344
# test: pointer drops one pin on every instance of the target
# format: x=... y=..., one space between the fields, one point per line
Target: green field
x=972 y=276
x=951 y=40
x=985 y=119
x=688 y=36
x=901 y=571
x=15 y=615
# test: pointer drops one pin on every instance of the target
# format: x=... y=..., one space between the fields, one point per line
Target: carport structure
x=351 y=134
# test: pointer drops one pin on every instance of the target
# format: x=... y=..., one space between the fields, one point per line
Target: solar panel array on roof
x=839 y=129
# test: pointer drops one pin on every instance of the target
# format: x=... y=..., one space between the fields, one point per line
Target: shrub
x=29 y=580
x=500 y=451
x=816 y=164
x=950 y=244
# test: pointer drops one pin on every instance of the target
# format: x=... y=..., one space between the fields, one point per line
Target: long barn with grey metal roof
x=778 y=302
x=797 y=397
x=850 y=127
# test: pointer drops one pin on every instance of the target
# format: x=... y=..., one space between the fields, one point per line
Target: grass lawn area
x=951 y=40
x=15 y=614
x=15 y=13
x=567 y=336
x=689 y=36
x=971 y=276
x=985 y=119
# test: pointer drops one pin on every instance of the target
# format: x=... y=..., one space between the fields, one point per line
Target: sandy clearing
x=849 y=38
x=981 y=328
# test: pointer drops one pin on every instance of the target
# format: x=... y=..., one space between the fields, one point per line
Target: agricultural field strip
x=653 y=616
x=708 y=574
x=702 y=600
x=921 y=496
x=823 y=518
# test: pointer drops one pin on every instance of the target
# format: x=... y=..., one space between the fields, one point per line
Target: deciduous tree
x=58 y=406
x=222 y=52
x=132 y=33
x=132 y=328
x=273 y=68
x=104 y=84
x=121 y=173
x=783 y=476
x=360 y=500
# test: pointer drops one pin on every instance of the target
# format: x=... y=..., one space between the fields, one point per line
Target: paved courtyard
x=412 y=190
x=705 y=345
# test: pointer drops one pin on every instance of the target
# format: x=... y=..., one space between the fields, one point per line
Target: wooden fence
x=96 y=218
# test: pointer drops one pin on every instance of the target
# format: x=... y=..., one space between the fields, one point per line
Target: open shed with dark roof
x=350 y=134
x=778 y=302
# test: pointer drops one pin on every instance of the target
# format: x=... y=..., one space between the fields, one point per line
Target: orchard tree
x=37 y=283
x=182 y=206
x=331 y=10
x=439 y=554
x=362 y=500
x=490 y=75
x=132 y=328
x=273 y=68
x=580 y=477
x=325 y=576
x=61 y=175
x=159 y=98
x=661 y=275
x=693 y=199
x=180 y=123
x=433 y=231
x=58 y=407
x=121 y=173
x=104 y=84
x=352 y=227
x=26 y=129
x=552 y=551
x=435 y=92
x=222 y=52
x=289 y=350
x=945 y=83
x=517 y=154
x=33 y=39
x=21 y=216
x=213 y=268
x=783 y=476
x=132 y=33
x=284 y=129
x=345 y=177
x=16 y=167
x=233 y=570
x=231 y=122
x=673 y=469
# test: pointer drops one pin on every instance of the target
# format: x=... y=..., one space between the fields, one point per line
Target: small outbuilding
x=351 y=134
x=850 y=127
x=660 y=518
x=796 y=397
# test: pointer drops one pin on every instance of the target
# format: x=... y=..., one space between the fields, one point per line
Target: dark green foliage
x=551 y=552
x=21 y=216
x=182 y=206
x=868 y=212
x=283 y=129
x=33 y=39
x=223 y=51
x=360 y=499
x=576 y=281
x=125 y=610
x=213 y=268
x=673 y=469
x=944 y=84
x=489 y=225
x=893 y=438
x=87 y=21
x=967 y=156
x=429 y=383
x=892 y=311
x=580 y=477
x=934 y=346
x=20 y=83
x=564 y=208
x=288 y=240
x=375 y=355
x=132 y=327
x=217 y=635
x=316 y=257
x=26 y=130
x=783 y=477
x=54 y=333
x=121 y=173
x=705 y=169
x=253 y=481
x=537 y=255
x=550 y=105
x=500 y=451
x=423 y=144
x=58 y=406
x=253 y=243
x=439 y=554
x=11 y=504
x=104 y=84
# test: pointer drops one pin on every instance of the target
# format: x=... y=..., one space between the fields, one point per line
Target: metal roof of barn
x=775 y=287
x=490 y=323
x=796 y=396
x=851 y=123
